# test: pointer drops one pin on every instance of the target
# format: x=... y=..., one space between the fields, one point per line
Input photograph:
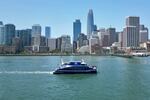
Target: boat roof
x=74 y=63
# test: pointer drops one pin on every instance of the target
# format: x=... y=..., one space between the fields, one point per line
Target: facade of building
x=120 y=38
x=1 y=23
x=76 y=29
x=25 y=36
x=36 y=41
x=112 y=35
x=76 y=32
x=143 y=35
x=103 y=37
x=145 y=45
x=7 y=49
x=9 y=34
x=131 y=32
x=66 y=43
x=36 y=35
x=2 y=33
x=82 y=40
x=36 y=30
x=90 y=23
x=93 y=41
x=48 y=32
x=52 y=44
x=58 y=43
x=16 y=42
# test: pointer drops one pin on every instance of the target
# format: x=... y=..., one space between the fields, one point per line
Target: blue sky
x=60 y=14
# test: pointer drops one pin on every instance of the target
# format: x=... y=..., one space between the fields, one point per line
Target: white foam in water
x=26 y=72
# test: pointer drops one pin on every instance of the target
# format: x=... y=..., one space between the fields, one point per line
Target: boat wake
x=26 y=72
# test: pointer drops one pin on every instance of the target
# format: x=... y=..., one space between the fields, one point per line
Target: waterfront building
x=66 y=43
x=9 y=34
x=143 y=35
x=76 y=32
x=131 y=32
x=2 y=33
x=145 y=45
x=52 y=44
x=90 y=23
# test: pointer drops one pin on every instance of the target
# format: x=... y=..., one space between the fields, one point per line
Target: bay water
x=31 y=78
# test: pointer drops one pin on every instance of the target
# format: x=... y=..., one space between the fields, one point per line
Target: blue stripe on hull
x=73 y=72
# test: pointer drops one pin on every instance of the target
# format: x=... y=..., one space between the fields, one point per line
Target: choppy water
x=31 y=78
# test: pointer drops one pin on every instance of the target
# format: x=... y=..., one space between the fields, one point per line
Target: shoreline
x=47 y=54
x=51 y=55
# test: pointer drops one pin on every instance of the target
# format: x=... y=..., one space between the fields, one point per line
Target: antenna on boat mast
x=62 y=62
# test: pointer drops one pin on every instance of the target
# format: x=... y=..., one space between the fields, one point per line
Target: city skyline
x=71 y=10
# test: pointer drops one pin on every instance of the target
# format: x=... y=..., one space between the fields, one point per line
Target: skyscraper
x=90 y=23
x=143 y=34
x=48 y=32
x=1 y=23
x=82 y=40
x=9 y=34
x=76 y=32
x=76 y=29
x=66 y=43
x=131 y=32
x=36 y=30
x=2 y=27
x=25 y=36
x=36 y=35
x=112 y=35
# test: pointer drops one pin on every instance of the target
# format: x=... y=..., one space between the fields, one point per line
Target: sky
x=60 y=14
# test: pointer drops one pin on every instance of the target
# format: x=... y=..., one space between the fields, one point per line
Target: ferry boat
x=75 y=67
